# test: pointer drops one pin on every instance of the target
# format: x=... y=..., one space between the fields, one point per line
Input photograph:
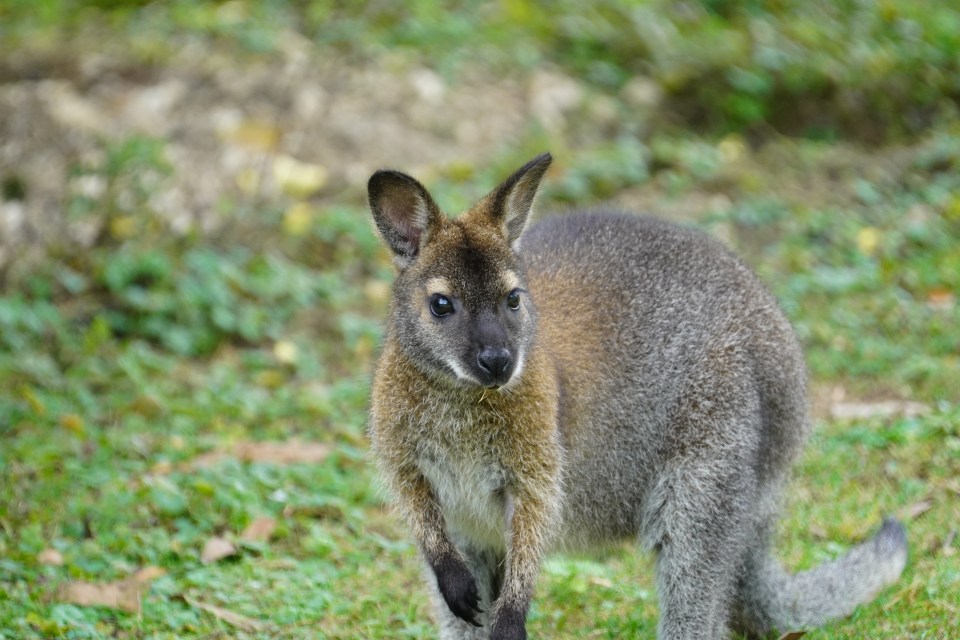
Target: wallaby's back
x=659 y=334
x=642 y=318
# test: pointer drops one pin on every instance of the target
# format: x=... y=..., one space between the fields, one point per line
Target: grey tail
x=773 y=599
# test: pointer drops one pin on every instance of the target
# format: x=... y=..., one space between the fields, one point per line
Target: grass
x=123 y=366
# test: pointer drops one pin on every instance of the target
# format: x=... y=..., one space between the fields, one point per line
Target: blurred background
x=192 y=295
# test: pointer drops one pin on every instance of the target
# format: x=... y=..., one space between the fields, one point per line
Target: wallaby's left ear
x=404 y=212
x=510 y=203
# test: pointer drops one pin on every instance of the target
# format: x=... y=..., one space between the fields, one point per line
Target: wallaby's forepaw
x=459 y=589
x=509 y=625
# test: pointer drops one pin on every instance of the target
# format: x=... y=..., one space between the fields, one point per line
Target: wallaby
x=594 y=378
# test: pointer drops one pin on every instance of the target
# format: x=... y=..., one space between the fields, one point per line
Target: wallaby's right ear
x=405 y=213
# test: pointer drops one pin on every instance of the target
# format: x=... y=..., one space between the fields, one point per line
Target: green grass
x=120 y=366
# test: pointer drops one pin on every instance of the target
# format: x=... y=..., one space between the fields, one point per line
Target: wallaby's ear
x=404 y=212
x=512 y=201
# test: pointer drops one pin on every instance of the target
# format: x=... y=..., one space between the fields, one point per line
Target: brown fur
x=607 y=377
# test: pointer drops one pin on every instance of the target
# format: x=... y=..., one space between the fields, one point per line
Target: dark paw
x=459 y=589
x=509 y=625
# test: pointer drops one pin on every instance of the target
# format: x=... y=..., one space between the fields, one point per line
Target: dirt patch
x=223 y=123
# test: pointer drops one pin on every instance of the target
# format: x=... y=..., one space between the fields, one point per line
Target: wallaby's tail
x=771 y=598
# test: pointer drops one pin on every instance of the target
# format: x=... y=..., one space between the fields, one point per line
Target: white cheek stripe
x=460 y=371
x=521 y=360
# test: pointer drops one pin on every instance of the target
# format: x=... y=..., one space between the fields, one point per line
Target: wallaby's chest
x=470 y=482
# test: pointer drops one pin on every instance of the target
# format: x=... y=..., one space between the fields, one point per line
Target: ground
x=192 y=295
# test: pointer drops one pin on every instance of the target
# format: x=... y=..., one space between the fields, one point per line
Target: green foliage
x=123 y=365
x=207 y=297
x=867 y=70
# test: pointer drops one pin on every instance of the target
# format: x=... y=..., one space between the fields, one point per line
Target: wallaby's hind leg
x=486 y=567
x=698 y=551
x=698 y=514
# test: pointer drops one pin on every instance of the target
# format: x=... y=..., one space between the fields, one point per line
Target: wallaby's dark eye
x=440 y=305
x=513 y=299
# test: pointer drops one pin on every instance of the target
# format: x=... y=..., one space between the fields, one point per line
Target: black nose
x=495 y=360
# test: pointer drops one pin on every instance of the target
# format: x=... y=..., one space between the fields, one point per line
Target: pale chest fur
x=460 y=454
x=474 y=448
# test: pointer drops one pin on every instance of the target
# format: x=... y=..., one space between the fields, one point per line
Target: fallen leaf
x=600 y=582
x=286 y=452
x=217 y=549
x=72 y=422
x=123 y=595
x=376 y=291
x=867 y=240
x=941 y=299
x=818 y=532
x=248 y=181
x=149 y=574
x=259 y=530
x=792 y=635
x=162 y=467
x=270 y=379
x=123 y=227
x=256 y=134
x=239 y=621
x=296 y=178
x=205 y=460
x=285 y=351
x=50 y=557
x=947 y=548
x=298 y=219
x=917 y=509
x=883 y=409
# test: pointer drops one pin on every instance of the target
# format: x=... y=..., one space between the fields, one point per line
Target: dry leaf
x=917 y=509
x=50 y=557
x=72 y=422
x=124 y=594
x=947 y=548
x=867 y=240
x=600 y=582
x=298 y=219
x=149 y=574
x=941 y=299
x=259 y=530
x=377 y=291
x=205 y=460
x=793 y=635
x=818 y=532
x=256 y=134
x=296 y=178
x=230 y=617
x=217 y=549
x=886 y=408
x=287 y=452
x=285 y=351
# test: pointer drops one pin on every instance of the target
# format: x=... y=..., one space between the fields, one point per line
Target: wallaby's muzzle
x=496 y=363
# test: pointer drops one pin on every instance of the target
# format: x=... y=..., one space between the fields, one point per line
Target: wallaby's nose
x=495 y=360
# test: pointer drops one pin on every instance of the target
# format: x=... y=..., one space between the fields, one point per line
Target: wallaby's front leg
x=530 y=517
x=421 y=509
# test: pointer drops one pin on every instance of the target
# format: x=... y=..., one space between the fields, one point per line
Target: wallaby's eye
x=513 y=299
x=440 y=305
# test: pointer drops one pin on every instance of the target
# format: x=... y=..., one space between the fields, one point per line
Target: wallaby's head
x=461 y=309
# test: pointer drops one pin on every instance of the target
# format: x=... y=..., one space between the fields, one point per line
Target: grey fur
x=679 y=404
